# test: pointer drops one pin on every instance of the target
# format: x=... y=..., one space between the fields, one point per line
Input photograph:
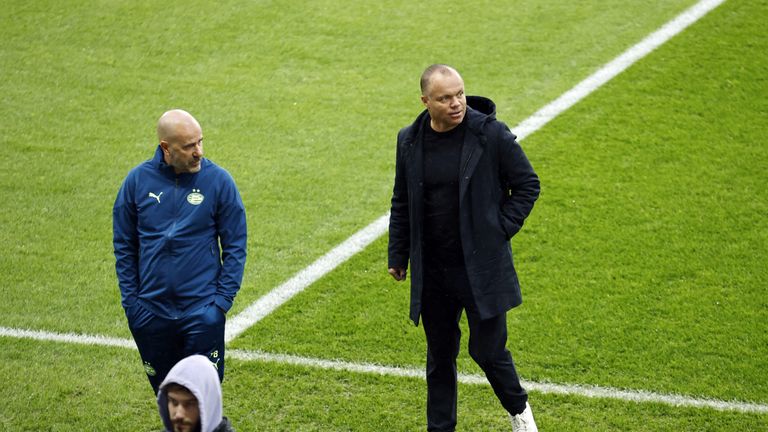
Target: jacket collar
x=479 y=111
x=158 y=161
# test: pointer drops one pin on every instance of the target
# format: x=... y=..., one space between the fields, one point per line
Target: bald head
x=436 y=69
x=181 y=139
x=174 y=123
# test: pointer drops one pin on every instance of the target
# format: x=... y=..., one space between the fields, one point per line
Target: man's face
x=183 y=410
x=184 y=152
x=445 y=100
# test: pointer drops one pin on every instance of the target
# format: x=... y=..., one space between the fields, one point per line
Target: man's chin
x=182 y=427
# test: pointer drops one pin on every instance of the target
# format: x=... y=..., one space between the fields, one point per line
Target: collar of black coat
x=480 y=110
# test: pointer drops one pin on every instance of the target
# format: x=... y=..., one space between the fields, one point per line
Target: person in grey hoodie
x=189 y=399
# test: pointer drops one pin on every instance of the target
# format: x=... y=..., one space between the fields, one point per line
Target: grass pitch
x=642 y=264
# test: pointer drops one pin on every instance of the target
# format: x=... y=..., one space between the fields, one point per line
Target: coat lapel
x=415 y=171
x=470 y=154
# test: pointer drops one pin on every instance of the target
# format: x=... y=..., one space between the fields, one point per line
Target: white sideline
x=74 y=338
x=275 y=298
x=367 y=368
x=638 y=396
x=615 y=67
x=360 y=240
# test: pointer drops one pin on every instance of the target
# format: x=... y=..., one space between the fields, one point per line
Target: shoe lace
x=518 y=421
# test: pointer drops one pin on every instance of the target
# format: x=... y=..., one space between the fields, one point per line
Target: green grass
x=655 y=216
x=75 y=388
x=643 y=261
x=642 y=264
x=300 y=101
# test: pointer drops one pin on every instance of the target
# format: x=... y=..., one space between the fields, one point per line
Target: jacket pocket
x=502 y=226
x=138 y=316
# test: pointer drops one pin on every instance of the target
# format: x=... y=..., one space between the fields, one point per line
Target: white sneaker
x=524 y=422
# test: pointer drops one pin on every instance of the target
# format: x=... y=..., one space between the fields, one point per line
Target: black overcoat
x=497 y=190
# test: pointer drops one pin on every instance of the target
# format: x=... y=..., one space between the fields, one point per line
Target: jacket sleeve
x=233 y=237
x=125 y=240
x=399 y=225
x=519 y=180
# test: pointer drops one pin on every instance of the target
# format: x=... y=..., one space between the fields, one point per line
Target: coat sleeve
x=233 y=237
x=399 y=224
x=519 y=180
x=125 y=240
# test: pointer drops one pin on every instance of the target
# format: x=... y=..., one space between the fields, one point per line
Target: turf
x=643 y=261
x=642 y=264
x=74 y=388
x=300 y=101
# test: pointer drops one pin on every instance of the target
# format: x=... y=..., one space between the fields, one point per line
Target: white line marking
x=564 y=389
x=367 y=235
x=360 y=240
x=281 y=294
x=615 y=67
x=368 y=368
x=81 y=339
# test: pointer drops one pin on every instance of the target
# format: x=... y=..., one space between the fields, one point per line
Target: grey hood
x=199 y=375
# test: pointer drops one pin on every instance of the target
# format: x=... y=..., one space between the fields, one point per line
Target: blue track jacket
x=167 y=229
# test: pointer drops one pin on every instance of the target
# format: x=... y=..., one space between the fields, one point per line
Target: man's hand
x=398 y=273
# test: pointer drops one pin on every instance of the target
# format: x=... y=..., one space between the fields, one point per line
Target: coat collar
x=480 y=110
x=158 y=160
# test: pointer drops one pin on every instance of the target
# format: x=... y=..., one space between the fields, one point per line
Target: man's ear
x=424 y=100
x=164 y=146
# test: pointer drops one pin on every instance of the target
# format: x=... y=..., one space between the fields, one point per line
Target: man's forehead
x=446 y=81
x=447 y=89
x=180 y=393
x=187 y=135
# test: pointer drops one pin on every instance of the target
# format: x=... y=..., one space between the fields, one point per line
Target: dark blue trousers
x=164 y=342
x=446 y=294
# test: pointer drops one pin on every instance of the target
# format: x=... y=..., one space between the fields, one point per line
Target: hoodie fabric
x=167 y=229
x=198 y=375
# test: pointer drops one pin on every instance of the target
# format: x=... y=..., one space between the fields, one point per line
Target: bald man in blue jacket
x=179 y=234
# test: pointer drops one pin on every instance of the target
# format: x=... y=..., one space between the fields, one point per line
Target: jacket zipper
x=466 y=164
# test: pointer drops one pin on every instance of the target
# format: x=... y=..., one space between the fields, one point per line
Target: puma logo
x=216 y=363
x=157 y=197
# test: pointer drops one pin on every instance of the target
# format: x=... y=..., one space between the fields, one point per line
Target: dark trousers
x=446 y=294
x=164 y=342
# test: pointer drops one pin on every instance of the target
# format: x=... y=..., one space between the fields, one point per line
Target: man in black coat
x=463 y=188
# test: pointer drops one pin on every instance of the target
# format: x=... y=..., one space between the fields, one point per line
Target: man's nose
x=179 y=413
x=198 y=150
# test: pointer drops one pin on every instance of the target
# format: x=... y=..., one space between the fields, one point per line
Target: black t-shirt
x=442 y=156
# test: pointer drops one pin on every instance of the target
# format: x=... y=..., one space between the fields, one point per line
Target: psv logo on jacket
x=195 y=198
